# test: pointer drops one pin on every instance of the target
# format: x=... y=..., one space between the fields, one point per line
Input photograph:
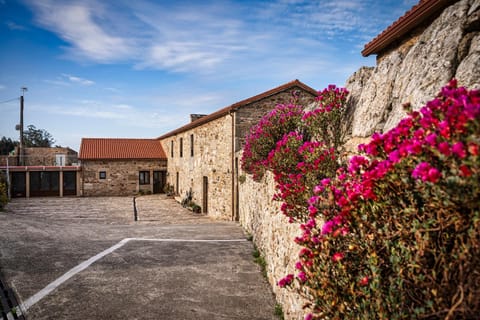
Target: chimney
x=195 y=117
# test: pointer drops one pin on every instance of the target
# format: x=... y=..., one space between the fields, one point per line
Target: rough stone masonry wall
x=43 y=156
x=121 y=176
x=211 y=159
x=415 y=70
x=273 y=235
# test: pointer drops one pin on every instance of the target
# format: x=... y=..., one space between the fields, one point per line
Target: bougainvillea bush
x=395 y=234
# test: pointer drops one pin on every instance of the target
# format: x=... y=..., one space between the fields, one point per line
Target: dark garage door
x=18 y=188
x=44 y=183
x=69 y=183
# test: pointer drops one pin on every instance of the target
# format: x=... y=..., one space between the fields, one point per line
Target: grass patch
x=279 y=311
x=260 y=260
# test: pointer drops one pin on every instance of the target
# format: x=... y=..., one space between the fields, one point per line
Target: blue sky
x=138 y=69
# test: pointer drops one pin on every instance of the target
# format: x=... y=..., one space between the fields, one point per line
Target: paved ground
x=85 y=258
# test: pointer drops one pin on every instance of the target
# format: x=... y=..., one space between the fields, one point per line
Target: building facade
x=122 y=167
x=40 y=172
x=203 y=155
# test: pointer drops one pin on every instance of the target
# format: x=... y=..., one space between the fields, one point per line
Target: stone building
x=120 y=167
x=203 y=155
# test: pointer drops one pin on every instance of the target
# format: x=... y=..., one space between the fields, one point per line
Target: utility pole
x=21 y=159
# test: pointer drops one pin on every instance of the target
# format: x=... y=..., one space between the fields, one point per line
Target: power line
x=9 y=100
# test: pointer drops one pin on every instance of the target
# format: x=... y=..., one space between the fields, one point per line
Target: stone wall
x=211 y=160
x=122 y=176
x=273 y=236
x=42 y=156
x=416 y=68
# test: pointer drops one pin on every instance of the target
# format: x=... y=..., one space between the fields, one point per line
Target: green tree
x=7 y=145
x=34 y=137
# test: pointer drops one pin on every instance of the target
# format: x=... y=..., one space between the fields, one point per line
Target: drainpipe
x=232 y=114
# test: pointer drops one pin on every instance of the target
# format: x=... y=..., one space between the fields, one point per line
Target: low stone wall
x=273 y=235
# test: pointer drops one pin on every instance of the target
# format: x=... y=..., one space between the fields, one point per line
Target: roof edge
x=410 y=20
x=224 y=111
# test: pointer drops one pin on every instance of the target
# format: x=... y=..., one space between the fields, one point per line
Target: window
x=171 y=148
x=102 y=175
x=191 y=145
x=181 y=147
x=144 y=177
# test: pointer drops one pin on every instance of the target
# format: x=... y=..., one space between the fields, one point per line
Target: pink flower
x=459 y=150
x=473 y=149
x=444 y=149
x=286 y=281
x=364 y=281
x=426 y=172
x=465 y=171
x=298 y=265
x=431 y=139
x=433 y=175
x=308 y=317
x=318 y=189
x=337 y=256
x=327 y=227
x=302 y=276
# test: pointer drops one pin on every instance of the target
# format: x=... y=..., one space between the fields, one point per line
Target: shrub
x=3 y=194
x=264 y=136
x=401 y=235
x=395 y=234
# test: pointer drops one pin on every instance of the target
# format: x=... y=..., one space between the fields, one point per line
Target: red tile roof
x=418 y=14
x=107 y=148
x=235 y=106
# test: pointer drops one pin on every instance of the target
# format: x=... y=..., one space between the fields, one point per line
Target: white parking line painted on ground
x=85 y=264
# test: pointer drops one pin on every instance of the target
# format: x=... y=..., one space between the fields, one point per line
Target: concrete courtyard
x=86 y=258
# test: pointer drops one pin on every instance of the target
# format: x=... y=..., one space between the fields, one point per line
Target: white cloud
x=76 y=23
x=66 y=80
x=210 y=37
x=78 y=80
x=14 y=26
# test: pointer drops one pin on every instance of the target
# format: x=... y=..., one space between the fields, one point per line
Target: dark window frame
x=191 y=145
x=171 y=148
x=144 y=177
x=181 y=148
x=102 y=175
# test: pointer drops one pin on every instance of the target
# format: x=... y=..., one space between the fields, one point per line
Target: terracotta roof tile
x=111 y=148
x=418 y=14
x=233 y=107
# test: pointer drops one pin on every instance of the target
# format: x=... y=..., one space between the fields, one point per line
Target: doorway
x=205 y=195
x=69 y=183
x=159 y=181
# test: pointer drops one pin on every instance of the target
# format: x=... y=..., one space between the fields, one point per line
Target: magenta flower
x=298 y=265
x=426 y=172
x=327 y=227
x=302 y=276
x=337 y=256
x=459 y=150
x=286 y=281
